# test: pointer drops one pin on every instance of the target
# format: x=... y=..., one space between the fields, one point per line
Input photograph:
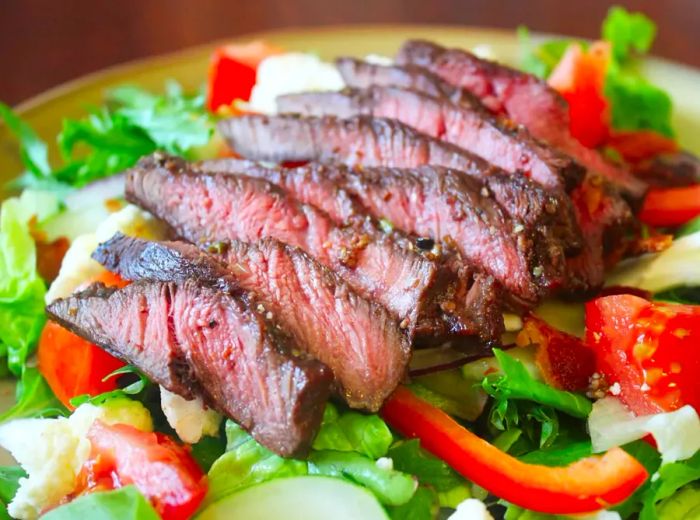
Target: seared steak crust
x=365 y=141
x=521 y=97
x=208 y=338
x=467 y=125
x=357 y=339
x=428 y=201
x=203 y=207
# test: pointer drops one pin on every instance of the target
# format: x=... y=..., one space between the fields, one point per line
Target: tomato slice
x=671 y=206
x=232 y=72
x=585 y=486
x=651 y=349
x=73 y=366
x=162 y=470
x=580 y=79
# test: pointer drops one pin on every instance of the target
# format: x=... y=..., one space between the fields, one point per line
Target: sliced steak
x=366 y=141
x=357 y=339
x=427 y=201
x=218 y=207
x=522 y=97
x=192 y=330
x=670 y=170
x=469 y=126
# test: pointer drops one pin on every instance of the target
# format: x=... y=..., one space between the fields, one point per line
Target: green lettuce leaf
x=683 y=504
x=33 y=151
x=409 y=457
x=21 y=288
x=424 y=505
x=517 y=383
x=121 y=504
x=541 y=59
x=9 y=484
x=628 y=32
x=352 y=431
x=34 y=398
x=689 y=228
x=671 y=478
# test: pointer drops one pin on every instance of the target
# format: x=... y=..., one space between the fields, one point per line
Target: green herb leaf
x=131 y=389
x=9 y=484
x=33 y=151
x=121 y=504
x=541 y=60
x=685 y=295
x=560 y=455
x=517 y=383
x=34 y=398
x=689 y=228
x=409 y=457
x=628 y=32
x=352 y=431
x=424 y=505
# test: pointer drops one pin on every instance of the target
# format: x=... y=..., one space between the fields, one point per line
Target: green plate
x=45 y=112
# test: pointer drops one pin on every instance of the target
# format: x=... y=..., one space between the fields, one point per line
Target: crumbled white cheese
x=78 y=267
x=385 y=463
x=471 y=509
x=677 y=433
x=484 y=51
x=190 y=419
x=378 y=59
x=290 y=73
x=53 y=451
x=615 y=389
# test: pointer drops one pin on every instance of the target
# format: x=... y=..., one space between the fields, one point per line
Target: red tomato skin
x=649 y=349
x=162 y=470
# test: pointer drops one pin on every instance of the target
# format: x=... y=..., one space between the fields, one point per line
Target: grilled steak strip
x=469 y=126
x=366 y=141
x=522 y=97
x=357 y=339
x=209 y=333
x=427 y=201
x=209 y=207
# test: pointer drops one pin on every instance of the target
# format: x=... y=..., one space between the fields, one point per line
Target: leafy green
x=208 y=450
x=424 y=505
x=628 y=32
x=113 y=137
x=686 y=295
x=9 y=484
x=541 y=60
x=517 y=383
x=651 y=460
x=21 y=288
x=409 y=457
x=683 y=504
x=121 y=504
x=391 y=487
x=34 y=398
x=246 y=463
x=33 y=151
x=689 y=228
x=671 y=478
x=352 y=431
x=559 y=455
x=132 y=389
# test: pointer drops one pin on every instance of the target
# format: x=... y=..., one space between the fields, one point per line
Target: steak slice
x=217 y=207
x=365 y=141
x=469 y=126
x=209 y=333
x=427 y=201
x=357 y=339
x=521 y=97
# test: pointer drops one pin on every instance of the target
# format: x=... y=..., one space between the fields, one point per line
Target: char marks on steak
x=209 y=207
x=522 y=97
x=366 y=141
x=208 y=338
x=469 y=126
x=357 y=339
x=427 y=201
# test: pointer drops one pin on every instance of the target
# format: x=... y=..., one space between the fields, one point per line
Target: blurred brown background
x=46 y=42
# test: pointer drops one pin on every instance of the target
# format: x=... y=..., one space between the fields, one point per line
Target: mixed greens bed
x=503 y=436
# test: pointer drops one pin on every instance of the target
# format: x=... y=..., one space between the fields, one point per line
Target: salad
x=201 y=308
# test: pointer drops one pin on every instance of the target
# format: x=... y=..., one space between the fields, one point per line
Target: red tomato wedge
x=163 y=471
x=73 y=366
x=671 y=206
x=232 y=71
x=580 y=79
x=651 y=349
x=585 y=486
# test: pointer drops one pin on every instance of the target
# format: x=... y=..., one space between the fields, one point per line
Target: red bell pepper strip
x=641 y=144
x=671 y=206
x=585 y=486
x=232 y=72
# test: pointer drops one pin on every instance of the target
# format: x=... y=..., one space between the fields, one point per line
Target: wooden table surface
x=46 y=42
